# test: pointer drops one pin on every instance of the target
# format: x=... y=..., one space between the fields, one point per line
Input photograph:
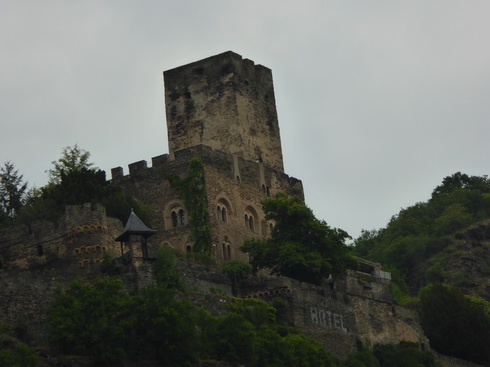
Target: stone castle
x=221 y=110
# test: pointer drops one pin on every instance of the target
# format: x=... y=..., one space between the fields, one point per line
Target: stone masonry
x=221 y=110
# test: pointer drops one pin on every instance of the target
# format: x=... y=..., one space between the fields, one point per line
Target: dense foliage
x=193 y=191
x=418 y=233
x=102 y=321
x=426 y=244
x=456 y=325
x=73 y=180
x=15 y=352
x=404 y=354
x=301 y=247
x=13 y=192
x=236 y=271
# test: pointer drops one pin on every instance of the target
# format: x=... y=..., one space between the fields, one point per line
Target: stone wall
x=233 y=184
x=343 y=312
x=338 y=314
x=79 y=239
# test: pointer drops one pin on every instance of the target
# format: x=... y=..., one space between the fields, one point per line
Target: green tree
x=416 y=236
x=469 y=191
x=236 y=271
x=165 y=273
x=455 y=324
x=102 y=321
x=362 y=358
x=367 y=241
x=73 y=160
x=14 y=352
x=453 y=218
x=301 y=246
x=86 y=320
x=460 y=180
x=255 y=311
x=74 y=180
x=162 y=328
x=404 y=354
x=12 y=190
x=234 y=339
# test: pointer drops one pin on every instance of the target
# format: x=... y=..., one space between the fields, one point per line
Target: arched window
x=223 y=215
x=222 y=210
x=251 y=225
x=251 y=219
x=226 y=250
x=223 y=249
x=182 y=217
x=175 y=220
x=178 y=216
x=188 y=248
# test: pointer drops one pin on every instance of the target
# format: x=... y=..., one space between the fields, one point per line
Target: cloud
x=377 y=102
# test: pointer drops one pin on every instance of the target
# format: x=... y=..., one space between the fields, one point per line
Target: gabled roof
x=134 y=226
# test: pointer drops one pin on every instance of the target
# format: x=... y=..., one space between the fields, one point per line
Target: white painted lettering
x=320 y=316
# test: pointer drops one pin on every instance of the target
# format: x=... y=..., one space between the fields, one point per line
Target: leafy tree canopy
x=102 y=321
x=236 y=271
x=14 y=352
x=73 y=160
x=301 y=246
x=13 y=192
x=456 y=325
x=404 y=354
x=461 y=181
x=74 y=180
x=420 y=232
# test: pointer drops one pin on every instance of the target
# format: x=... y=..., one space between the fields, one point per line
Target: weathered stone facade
x=226 y=103
x=234 y=204
x=78 y=241
x=344 y=311
x=222 y=111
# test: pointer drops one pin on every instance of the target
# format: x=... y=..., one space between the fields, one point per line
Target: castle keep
x=221 y=110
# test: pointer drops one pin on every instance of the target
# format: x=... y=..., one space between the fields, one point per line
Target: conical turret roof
x=134 y=226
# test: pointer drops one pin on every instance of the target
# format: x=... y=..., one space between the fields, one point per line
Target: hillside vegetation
x=101 y=321
x=433 y=249
x=72 y=180
x=445 y=239
x=439 y=255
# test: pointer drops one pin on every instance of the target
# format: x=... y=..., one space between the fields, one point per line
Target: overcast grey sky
x=378 y=101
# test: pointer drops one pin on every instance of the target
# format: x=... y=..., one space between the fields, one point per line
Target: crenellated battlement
x=240 y=169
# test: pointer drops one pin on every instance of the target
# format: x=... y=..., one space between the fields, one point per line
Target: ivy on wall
x=193 y=191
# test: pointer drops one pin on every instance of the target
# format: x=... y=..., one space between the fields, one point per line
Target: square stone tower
x=221 y=110
x=226 y=103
